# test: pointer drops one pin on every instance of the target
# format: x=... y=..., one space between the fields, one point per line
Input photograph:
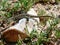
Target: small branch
x=20 y=16
x=31 y=16
x=4 y=29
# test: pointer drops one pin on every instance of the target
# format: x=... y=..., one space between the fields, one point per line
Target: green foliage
x=33 y=34
x=8 y=15
x=26 y=30
x=23 y=5
x=42 y=37
x=57 y=33
x=4 y=5
x=57 y=1
x=27 y=4
x=54 y=22
x=15 y=7
x=41 y=12
x=19 y=42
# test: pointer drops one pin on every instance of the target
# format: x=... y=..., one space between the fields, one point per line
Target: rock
x=11 y=34
x=34 y=13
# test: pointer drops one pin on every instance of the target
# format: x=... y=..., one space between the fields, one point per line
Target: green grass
x=57 y=34
x=41 y=12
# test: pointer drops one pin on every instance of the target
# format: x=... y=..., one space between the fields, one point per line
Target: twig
x=5 y=28
x=31 y=16
x=24 y=16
